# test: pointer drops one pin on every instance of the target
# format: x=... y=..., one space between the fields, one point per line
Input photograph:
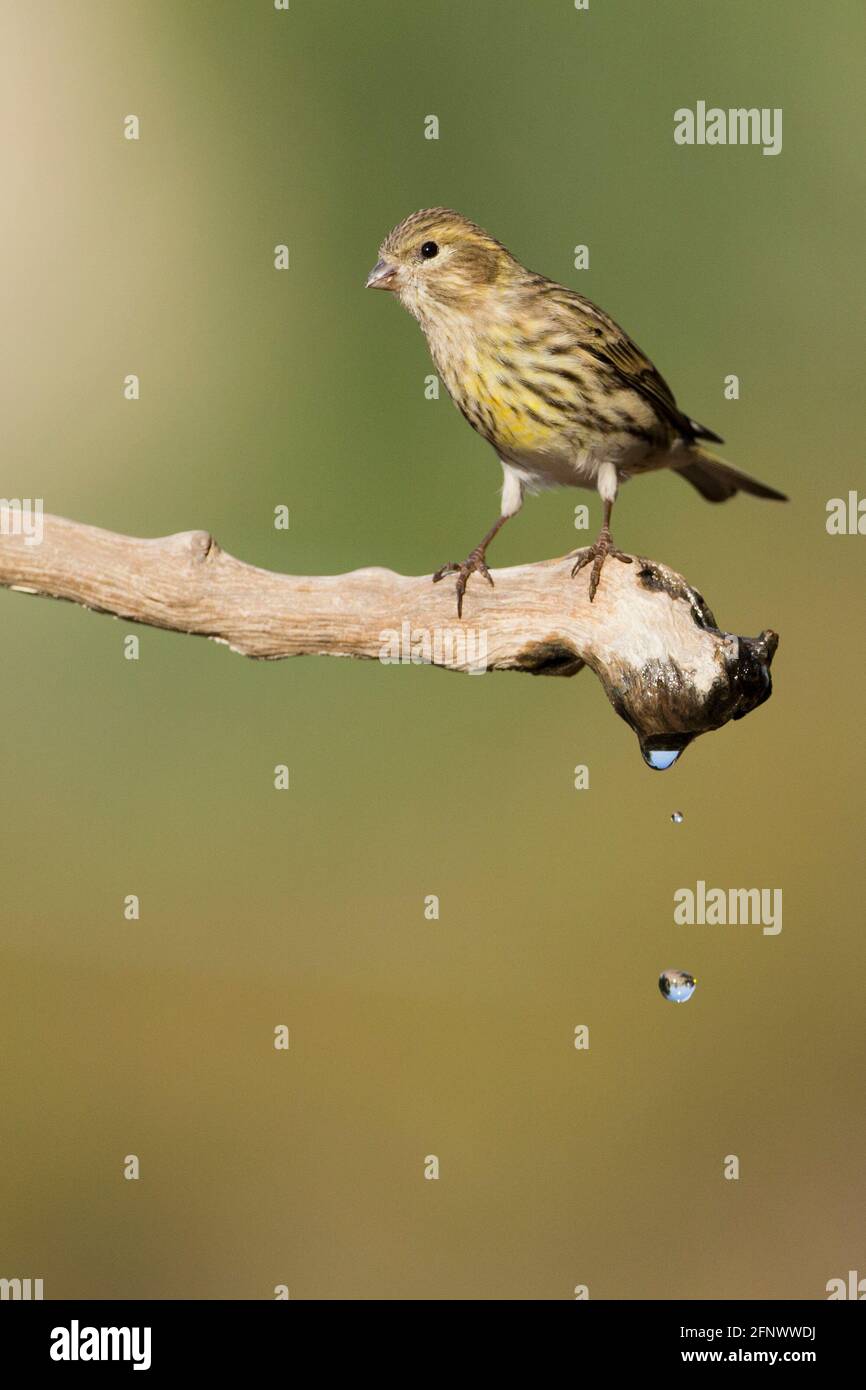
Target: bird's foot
x=596 y=555
x=473 y=564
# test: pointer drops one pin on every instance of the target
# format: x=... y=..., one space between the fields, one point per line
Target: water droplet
x=677 y=985
x=661 y=758
x=677 y=817
x=660 y=751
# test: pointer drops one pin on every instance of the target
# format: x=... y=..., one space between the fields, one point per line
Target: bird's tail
x=717 y=481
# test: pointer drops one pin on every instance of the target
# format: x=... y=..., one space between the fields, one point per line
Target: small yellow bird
x=560 y=391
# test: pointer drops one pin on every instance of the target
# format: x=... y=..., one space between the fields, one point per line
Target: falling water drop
x=677 y=985
x=677 y=817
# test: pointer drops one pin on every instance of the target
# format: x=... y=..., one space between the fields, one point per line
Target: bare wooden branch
x=649 y=637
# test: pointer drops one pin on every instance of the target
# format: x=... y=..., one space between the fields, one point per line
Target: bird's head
x=437 y=260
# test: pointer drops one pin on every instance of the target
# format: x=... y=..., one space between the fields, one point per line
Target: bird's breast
x=500 y=396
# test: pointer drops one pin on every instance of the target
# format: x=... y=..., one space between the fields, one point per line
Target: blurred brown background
x=409 y=1037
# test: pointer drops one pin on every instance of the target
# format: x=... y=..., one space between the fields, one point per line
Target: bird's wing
x=599 y=337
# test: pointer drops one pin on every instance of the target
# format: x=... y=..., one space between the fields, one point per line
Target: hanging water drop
x=677 y=818
x=677 y=985
x=661 y=758
x=660 y=751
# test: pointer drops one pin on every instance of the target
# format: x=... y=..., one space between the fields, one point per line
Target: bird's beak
x=383 y=276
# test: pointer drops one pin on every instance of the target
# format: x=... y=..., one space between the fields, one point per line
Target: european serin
x=560 y=391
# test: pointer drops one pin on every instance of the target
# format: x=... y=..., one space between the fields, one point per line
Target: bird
x=564 y=396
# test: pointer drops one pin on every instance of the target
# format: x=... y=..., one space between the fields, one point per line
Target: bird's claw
x=473 y=564
x=596 y=554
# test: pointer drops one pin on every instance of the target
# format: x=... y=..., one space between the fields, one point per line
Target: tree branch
x=649 y=637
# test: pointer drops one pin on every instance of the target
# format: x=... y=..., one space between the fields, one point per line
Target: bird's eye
x=429 y=250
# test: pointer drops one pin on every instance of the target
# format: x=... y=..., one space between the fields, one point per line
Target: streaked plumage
x=557 y=388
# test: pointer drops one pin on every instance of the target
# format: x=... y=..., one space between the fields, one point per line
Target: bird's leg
x=473 y=564
x=599 y=551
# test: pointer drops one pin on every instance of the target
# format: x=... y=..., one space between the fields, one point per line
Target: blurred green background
x=408 y=1037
